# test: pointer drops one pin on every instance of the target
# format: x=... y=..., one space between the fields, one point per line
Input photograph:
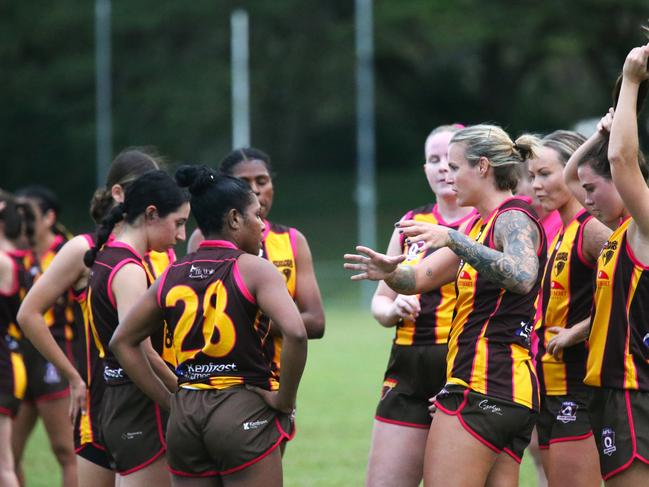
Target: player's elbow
x=296 y=333
x=315 y=327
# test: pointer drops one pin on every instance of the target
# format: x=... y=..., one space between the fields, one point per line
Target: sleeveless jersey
x=279 y=247
x=212 y=318
x=103 y=317
x=155 y=263
x=10 y=356
x=567 y=297
x=60 y=317
x=434 y=320
x=489 y=341
x=618 y=353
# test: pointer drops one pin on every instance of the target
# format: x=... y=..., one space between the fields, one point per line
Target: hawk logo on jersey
x=388 y=385
x=608 y=441
x=414 y=250
x=568 y=412
x=196 y=272
x=608 y=255
x=559 y=267
x=287 y=273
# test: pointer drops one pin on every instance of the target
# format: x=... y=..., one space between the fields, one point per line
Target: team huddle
x=175 y=375
x=519 y=300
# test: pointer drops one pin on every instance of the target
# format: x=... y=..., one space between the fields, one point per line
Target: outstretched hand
x=371 y=265
x=432 y=236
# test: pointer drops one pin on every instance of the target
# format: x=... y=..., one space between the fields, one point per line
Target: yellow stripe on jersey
x=630 y=372
x=20 y=375
x=606 y=269
x=221 y=382
x=93 y=329
x=279 y=251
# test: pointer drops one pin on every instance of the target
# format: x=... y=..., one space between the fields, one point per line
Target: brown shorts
x=564 y=418
x=414 y=374
x=44 y=381
x=218 y=432
x=502 y=426
x=12 y=376
x=132 y=428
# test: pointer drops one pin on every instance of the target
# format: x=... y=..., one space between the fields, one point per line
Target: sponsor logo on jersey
x=602 y=279
x=253 y=425
x=608 y=441
x=196 y=272
x=464 y=279
x=113 y=373
x=283 y=263
x=567 y=412
x=557 y=290
x=204 y=371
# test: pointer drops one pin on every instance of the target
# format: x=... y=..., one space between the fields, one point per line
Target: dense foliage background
x=527 y=65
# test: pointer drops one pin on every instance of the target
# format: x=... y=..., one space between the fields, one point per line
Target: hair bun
x=196 y=178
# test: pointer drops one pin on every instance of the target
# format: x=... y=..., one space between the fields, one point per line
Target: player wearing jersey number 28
x=226 y=420
x=490 y=401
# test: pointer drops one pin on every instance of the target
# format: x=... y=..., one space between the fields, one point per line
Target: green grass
x=336 y=405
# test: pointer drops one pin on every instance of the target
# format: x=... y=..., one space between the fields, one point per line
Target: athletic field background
x=344 y=371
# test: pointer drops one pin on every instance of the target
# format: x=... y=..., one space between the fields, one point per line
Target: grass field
x=336 y=404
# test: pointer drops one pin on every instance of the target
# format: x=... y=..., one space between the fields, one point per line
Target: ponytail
x=104 y=230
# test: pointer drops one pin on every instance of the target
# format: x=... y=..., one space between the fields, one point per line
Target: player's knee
x=64 y=452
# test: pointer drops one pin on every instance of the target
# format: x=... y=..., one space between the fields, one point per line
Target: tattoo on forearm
x=517 y=266
x=402 y=280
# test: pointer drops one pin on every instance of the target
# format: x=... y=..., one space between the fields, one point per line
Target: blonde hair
x=502 y=154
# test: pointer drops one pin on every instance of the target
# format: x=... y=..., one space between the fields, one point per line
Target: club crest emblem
x=568 y=412
x=388 y=385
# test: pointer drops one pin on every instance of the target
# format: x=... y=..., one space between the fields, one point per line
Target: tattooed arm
x=516 y=267
x=433 y=272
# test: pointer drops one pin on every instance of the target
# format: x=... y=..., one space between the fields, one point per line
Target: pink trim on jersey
x=109 y=286
x=124 y=245
x=241 y=284
x=16 y=284
x=171 y=254
x=266 y=229
x=454 y=223
x=571 y=438
x=551 y=224
x=89 y=239
x=401 y=423
x=633 y=258
x=580 y=248
x=292 y=234
x=218 y=243
x=143 y=465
